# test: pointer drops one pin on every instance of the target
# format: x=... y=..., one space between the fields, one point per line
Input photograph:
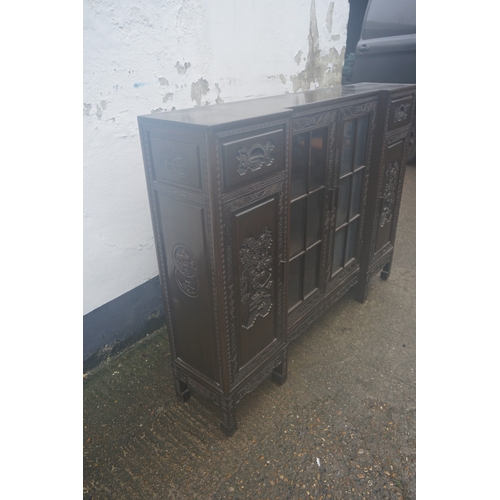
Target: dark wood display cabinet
x=265 y=212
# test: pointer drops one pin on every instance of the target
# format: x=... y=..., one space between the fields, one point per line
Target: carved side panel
x=174 y=161
x=184 y=246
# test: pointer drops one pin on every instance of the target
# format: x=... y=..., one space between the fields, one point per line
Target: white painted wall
x=142 y=56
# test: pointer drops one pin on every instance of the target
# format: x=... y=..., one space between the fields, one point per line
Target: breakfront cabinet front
x=266 y=212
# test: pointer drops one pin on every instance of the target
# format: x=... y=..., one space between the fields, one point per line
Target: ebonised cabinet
x=265 y=212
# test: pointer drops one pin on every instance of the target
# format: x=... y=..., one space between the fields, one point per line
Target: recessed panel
x=176 y=162
x=255 y=239
x=388 y=200
x=188 y=284
x=400 y=112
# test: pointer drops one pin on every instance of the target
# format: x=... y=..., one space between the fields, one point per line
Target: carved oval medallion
x=186 y=270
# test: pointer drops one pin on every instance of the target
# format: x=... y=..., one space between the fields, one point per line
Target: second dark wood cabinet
x=265 y=212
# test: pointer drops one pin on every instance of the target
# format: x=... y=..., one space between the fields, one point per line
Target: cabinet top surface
x=284 y=104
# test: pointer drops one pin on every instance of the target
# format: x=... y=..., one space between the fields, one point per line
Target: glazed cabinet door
x=310 y=208
x=352 y=168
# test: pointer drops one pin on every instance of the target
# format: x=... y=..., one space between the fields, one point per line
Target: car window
x=389 y=18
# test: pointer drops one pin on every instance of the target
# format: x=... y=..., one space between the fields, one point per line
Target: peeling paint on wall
x=219 y=100
x=181 y=69
x=329 y=17
x=86 y=108
x=198 y=90
x=320 y=71
x=163 y=81
x=168 y=96
x=298 y=57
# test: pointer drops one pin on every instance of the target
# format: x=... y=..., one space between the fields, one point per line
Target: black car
x=386 y=48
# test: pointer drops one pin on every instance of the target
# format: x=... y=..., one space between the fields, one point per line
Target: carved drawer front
x=256 y=268
x=247 y=157
x=400 y=112
x=175 y=161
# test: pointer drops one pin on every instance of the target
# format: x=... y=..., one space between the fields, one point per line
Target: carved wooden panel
x=188 y=283
x=388 y=196
x=256 y=263
x=400 y=112
x=251 y=156
x=175 y=161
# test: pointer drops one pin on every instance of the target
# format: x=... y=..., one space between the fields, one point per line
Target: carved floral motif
x=256 y=279
x=255 y=157
x=401 y=113
x=175 y=163
x=389 y=194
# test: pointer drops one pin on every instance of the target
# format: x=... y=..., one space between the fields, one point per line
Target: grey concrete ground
x=341 y=427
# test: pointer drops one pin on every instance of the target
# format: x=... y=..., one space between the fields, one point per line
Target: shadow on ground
x=342 y=426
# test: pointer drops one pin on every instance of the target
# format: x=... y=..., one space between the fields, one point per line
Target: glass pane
x=314 y=217
x=347 y=146
x=300 y=164
x=318 y=158
x=356 y=194
x=343 y=201
x=297 y=226
x=351 y=240
x=295 y=281
x=338 y=250
x=361 y=137
x=311 y=271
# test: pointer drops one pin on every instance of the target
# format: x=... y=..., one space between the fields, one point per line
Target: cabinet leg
x=182 y=390
x=228 y=424
x=386 y=270
x=361 y=292
x=279 y=374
